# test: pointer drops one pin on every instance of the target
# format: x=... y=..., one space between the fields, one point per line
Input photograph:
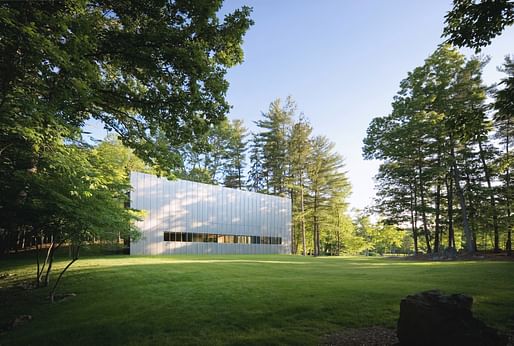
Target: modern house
x=184 y=217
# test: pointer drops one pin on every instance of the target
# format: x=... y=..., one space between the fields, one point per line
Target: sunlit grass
x=243 y=300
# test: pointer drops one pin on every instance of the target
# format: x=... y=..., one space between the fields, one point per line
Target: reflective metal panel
x=196 y=209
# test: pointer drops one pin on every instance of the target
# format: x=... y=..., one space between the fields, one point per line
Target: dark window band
x=220 y=238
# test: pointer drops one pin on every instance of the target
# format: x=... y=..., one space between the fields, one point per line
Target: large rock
x=431 y=318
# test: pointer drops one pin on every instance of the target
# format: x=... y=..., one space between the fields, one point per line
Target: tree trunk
x=338 y=234
x=449 y=195
x=75 y=257
x=491 y=198
x=318 y=252
x=473 y=213
x=508 y=244
x=302 y=219
x=413 y=218
x=37 y=262
x=293 y=229
x=318 y=242
x=423 y=211
x=338 y=253
x=437 y=217
x=50 y=260
x=239 y=178
x=465 y=222
x=314 y=239
x=41 y=270
x=315 y=226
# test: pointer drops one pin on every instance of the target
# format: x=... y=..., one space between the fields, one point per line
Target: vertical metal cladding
x=184 y=217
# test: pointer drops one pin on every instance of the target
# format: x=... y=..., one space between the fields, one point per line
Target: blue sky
x=342 y=61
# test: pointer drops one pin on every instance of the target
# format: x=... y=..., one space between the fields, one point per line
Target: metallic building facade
x=184 y=217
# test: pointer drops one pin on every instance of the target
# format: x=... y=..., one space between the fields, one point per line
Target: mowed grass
x=240 y=300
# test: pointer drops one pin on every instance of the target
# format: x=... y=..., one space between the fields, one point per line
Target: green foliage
x=504 y=124
x=436 y=151
x=299 y=152
x=327 y=188
x=78 y=196
x=119 y=159
x=286 y=160
x=142 y=68
x=474 y=24
x=273 y=139
x=153 y=72
x=217 y=157
x=235 y=156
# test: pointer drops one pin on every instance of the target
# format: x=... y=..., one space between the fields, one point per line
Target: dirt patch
x=63 y=297
x=369 y=336
x=15 y=323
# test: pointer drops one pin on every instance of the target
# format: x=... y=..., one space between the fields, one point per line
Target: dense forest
x=284 y=158
x=148 y=71
x=446 y=148
x=446 y=155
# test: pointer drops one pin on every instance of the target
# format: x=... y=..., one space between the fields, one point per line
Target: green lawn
x=239 y=300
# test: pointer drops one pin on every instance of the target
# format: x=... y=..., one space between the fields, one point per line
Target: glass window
x=220 y=238
x=277 y=240
x=243 y=239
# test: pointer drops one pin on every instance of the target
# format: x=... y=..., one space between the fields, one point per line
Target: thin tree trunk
x=52 y=249
x=313 y=236
x=302 y=219
x=464 y=211
x=316 y=235
x=449 y=195
x=437 y=217
x=413 y=219
x=473 y=213
x=41 y=271
x=423 y=212
x=338 y=233
x=293 y=228
x=508 y=244
x=75 y=257
x=37 y=262
x=239 y=178
x=318 y=245
x=491 y=198
x=318 y=241
x=49 y=263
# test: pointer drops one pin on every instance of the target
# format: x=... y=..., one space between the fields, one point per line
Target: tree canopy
x=474 y=24
x=139 y=67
